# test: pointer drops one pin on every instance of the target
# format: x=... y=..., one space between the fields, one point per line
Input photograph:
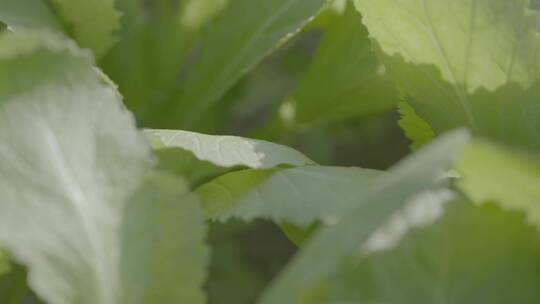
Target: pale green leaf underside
x=493 y=173
x=233 y=44
x=299 y=196
x=90 y=22
x=345 y=78
x=229 y=151
x=72 y=162
x=465 y=257
x=323 y=252
x=468 y=63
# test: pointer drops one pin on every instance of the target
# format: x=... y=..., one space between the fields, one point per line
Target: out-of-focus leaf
x=197 y=13
x=299 y=196
x=509 y=178
x=463 y=63
x=416 y=129
x=90 y=22
x=183 y=163
x=229 y=151
x=233 y=44
x=4 y=263
x=77 y=204
x=28 y=13
x=14 y=289
x=323 y=252
x=345 y=78
x=154 y=42
x=163 y=256
x=466 y=256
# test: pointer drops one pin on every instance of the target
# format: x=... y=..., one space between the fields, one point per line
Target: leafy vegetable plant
x=113 y=191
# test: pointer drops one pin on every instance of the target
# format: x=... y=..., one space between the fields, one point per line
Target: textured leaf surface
x=229 y=151
x=322 y=253
x=466 y=256
x=233 y=44
x=345 y=79
x=73 y=186
x=468 y=62
x=493 y=173
x=299 y=196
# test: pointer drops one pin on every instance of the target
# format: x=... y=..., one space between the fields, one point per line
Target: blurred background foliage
x=322 y=91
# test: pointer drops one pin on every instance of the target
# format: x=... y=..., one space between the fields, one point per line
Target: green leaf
x=416 y=129
x=299 y=196
x=28 y=13
x=466 y=256
x=322 y=253
x=183 y=163
x=153 y=44
x=5 y=266
x=163 y=258
x=233 y=44
x=90 y=23
x=78 y=206
x=468 y=63
x=14 y=289
x=229 y=151
x=509 y=178
x=345 y=78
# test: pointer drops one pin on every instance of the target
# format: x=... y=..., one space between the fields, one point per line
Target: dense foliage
x=113 y=191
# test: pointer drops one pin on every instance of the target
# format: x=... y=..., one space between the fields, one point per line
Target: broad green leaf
x=229 y=151
x=76 y=204
x=416 y=129
x=509 y=178
x=299 y=196
x=90 y=22
x=232 y=45
x=28 y=13
x=323 y=252
x=466 y=256
x=345 y=78
x=468 y=63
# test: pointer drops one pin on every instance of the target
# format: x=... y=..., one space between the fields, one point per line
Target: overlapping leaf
x=233 y=44
x=466 y=256
x=345 y=78
x=465 y=62
x=299 y=196
x=90 y=23
x=510 y=178
x=322 y=254
x=77 y=204
x=229 y=151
